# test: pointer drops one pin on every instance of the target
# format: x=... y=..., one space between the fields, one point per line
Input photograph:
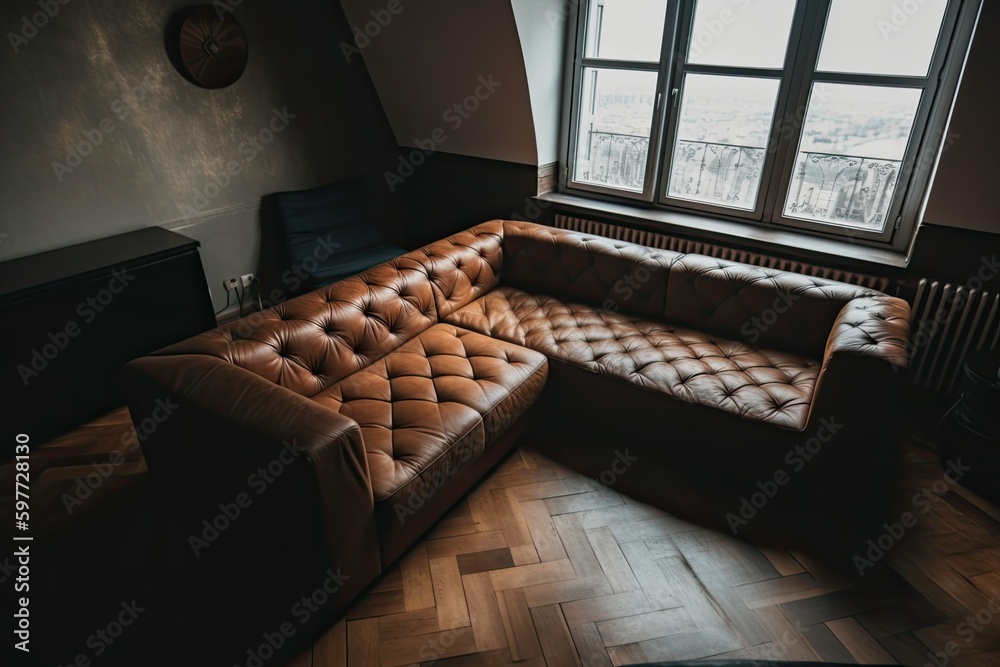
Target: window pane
x=741 y=33
x=881 y=36
x=852 y=146
x=722 y=135
x=615 y=120
x=625 y=29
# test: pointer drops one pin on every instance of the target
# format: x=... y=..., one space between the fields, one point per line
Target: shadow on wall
x=447 y=193
x=94 y=91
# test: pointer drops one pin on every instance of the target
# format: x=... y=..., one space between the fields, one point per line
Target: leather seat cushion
x=431 y=406
x=752 y=382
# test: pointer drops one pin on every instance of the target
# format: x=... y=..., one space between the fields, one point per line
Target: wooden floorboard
x=541 y=566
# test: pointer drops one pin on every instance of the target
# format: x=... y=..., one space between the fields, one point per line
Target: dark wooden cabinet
x=70 y=318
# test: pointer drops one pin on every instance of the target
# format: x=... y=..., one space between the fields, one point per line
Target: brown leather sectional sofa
x=314 y=442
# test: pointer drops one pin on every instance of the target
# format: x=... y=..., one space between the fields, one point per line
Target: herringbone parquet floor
x=542 y=566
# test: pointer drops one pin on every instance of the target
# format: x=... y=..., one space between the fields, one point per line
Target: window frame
x=928 y=84
x=786 y=85
x=927 y=139
x=580 y=61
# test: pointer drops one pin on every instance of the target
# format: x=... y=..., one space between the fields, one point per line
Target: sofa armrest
x=876 y=327
x=852 y=434
x=863 y=365
x=212 y=431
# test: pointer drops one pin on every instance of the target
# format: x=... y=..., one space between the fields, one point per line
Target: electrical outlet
x=247 y=279
x=230 y=284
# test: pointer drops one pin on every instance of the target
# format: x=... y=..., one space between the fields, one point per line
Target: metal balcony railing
x=614 y=159
x=844 y=189
x=725 y=174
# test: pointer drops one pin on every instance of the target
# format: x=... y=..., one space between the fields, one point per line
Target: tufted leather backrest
x=315 y=340
x=463 y=266
x=613 y=275
x=312 y=342
x=766 y=307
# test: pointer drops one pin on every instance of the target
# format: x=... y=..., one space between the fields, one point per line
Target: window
x=821 y=115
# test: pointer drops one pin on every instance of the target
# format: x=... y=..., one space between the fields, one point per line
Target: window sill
x=727 y=232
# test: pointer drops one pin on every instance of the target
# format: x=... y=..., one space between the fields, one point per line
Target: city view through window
x=847 y=139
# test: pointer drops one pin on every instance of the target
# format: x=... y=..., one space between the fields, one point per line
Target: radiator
x=667 y=242
x=949 y=323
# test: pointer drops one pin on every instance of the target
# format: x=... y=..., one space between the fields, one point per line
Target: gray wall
x=542 y=27
x=968 y=172
x=102 y=64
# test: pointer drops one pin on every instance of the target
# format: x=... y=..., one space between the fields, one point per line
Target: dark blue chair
x=328 y=233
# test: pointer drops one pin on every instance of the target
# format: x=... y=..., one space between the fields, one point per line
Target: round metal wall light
x=208 y=47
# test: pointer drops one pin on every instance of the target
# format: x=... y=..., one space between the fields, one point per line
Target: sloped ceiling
x=425 y=58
